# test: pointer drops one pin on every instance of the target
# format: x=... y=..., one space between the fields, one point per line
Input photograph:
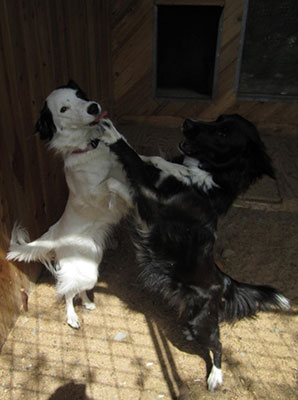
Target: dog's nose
x=93 y=109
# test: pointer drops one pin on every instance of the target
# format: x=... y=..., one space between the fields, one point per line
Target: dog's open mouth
x=99 y=118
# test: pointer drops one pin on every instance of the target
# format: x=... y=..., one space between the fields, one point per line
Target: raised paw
x=180 y=172
x=110 y=133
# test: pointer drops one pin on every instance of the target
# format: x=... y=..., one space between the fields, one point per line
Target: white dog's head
x=67 y=112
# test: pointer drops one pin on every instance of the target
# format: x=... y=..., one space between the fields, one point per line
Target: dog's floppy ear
x=73 y=85
x=45 y=125
x=263 y=160
x=267 y=166
x=188 y=124
x=79 y=92
x=260 y=160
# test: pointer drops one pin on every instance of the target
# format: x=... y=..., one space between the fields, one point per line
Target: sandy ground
x=131 y=346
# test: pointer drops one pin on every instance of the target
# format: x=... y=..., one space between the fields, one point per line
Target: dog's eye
x=63 y=109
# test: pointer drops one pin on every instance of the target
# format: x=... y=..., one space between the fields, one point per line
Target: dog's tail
x=21 y=249
x=242 y=300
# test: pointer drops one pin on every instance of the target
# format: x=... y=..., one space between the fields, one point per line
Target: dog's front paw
x=180 y=172
x=110 y=133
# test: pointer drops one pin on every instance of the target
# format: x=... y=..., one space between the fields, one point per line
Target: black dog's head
x=231 y=143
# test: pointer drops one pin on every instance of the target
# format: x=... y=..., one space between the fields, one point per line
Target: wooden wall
x=43 y=43
x=132 y=50
x=107 y=47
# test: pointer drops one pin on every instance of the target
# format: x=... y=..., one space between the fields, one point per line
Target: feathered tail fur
x=242 y=300
x=21 y=249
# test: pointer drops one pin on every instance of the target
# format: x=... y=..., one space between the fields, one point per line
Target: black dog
x=176 y=225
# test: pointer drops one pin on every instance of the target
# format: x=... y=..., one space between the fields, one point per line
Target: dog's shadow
x=120 y=273
x=71 y=390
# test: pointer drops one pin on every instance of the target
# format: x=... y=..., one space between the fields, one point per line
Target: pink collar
x=79 y=151
x=91 y=146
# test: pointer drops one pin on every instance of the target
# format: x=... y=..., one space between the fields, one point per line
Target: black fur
x=79 y=92
x=230 y=149
x=45 y=124
x=176 y=227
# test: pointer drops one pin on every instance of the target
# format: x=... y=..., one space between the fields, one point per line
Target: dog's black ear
x=267 y=166
x=45 y=124
x=260 y=160
x=221 y=118
x=72 y=85
x=188 y=124
x=264 y=162
x=79 y=92
x=224 y=117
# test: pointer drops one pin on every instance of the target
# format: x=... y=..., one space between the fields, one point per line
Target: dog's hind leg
x=75 y=275
x=72 y=318
x=204 y=329
x=87 y=303
x=215 y=376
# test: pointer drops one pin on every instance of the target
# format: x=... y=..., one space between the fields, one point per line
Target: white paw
x=180 y=172
x=89 y=306
x=214 y=378
x=180 y=177
x=110 y=134
x=155 y=160
x=73 y=322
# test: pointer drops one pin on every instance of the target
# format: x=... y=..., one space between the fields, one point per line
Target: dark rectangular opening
x=186 y=43
x=267 y=66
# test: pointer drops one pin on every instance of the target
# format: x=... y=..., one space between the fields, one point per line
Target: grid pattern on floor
x=43 y=358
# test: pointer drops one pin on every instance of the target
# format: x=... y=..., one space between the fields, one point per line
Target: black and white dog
x=98 y=198
x=176 y=225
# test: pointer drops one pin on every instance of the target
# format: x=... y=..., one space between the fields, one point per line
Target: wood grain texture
x=42 y=45
x=132 y=54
